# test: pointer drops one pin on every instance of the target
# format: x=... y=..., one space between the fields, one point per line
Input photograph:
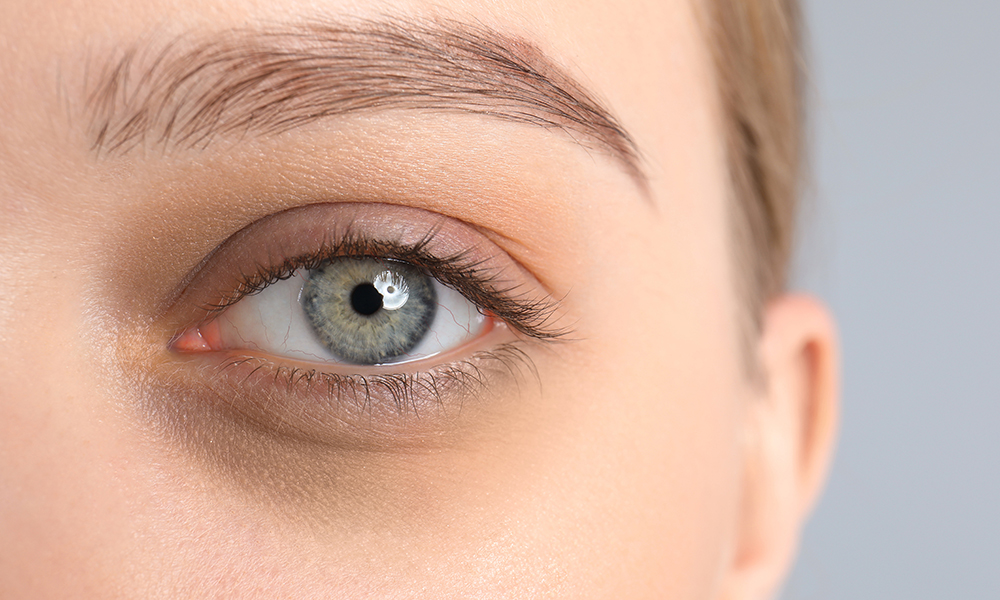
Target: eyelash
x=532 y=317
x=405 y=392
x=529 y=316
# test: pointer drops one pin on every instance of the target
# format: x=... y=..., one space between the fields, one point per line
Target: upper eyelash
x=531 y=316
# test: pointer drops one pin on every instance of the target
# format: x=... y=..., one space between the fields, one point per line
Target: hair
x=756 y=46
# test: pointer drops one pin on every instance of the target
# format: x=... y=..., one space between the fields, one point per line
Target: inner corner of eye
x=198 y=338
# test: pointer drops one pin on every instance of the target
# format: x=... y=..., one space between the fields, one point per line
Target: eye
x=361 y=311
x=341 y=319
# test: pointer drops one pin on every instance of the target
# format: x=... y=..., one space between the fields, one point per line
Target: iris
x=369 y=311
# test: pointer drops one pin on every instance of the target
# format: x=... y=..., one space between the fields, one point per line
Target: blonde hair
x=757 y=53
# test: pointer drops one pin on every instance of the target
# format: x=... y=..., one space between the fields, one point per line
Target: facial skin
x=634 y=456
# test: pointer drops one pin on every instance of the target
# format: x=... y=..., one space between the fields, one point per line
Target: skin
x=643 y=460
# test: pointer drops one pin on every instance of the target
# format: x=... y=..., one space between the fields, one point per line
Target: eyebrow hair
x=269 y=81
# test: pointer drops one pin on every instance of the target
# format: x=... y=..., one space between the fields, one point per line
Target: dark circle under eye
x=369 y=311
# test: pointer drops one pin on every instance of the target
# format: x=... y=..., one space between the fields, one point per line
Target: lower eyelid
x=375 y=408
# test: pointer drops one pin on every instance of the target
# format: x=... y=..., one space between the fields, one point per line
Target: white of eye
x=273 y=321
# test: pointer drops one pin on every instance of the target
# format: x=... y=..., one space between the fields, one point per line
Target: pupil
x=365 y=299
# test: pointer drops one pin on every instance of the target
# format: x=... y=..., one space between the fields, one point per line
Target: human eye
x=381 y=308
x=358 y=307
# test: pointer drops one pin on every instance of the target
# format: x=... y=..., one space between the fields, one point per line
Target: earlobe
x=790 y=430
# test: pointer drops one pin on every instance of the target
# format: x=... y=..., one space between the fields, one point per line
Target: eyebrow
x=190 y=92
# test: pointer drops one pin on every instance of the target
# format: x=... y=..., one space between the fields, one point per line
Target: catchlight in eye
x=369 y=311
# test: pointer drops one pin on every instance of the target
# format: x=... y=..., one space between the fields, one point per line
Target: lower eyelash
x=402 y=393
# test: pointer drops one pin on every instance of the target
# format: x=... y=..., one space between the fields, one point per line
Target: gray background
x=904 y=244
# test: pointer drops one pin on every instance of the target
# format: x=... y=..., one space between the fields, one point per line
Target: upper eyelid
x=453 y=252
x=349 y=245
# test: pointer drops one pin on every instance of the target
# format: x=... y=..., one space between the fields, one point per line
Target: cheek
x=61 y=505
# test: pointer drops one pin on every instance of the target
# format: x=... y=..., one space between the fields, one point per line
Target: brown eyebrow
x=270 y=81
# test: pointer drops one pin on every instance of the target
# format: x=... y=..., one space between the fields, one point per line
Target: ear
x=790 y=430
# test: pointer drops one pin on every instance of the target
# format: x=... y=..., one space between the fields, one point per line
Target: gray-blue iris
x=369 y=311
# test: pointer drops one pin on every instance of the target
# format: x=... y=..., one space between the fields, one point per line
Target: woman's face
x=583 y=433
